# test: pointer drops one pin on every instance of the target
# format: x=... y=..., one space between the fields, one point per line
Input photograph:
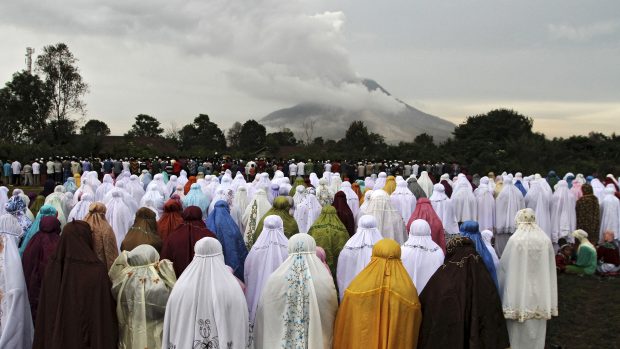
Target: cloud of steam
x=281 y=50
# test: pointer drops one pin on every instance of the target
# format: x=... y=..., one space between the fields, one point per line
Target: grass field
x=589 y=313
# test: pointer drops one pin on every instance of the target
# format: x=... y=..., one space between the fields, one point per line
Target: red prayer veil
x=344 y=212
x=170 y=219
x=424 y=210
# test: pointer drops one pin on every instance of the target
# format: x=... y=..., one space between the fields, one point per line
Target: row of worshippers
x=289 y=297
x=453 y=201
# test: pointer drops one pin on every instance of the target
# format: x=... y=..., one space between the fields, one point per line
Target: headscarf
x=256 y=210
x=307 y=209
x=563 y=218
x=141 y=284
x=195 y=197
x=188 y=184
x=179 y=246
x=266 y=255
x=17 y=208
x=470 y=229
x=74 y=268
x=390 y=185
x=170 y=219
x=487 y=237
x=507 y=204
x=280 y=208
x=426 y=183
x=389 y=221
x=610 y=215
x=464 y=202
x=221 y=223
x=424 y=210
x=323 y=193
x=403 y=200
x=357 y=190
x=329 y=233
x=152 y=198
x=45 y=211
x=353 y=197
x=80 y=210
x=444 y=208
x=104 y=240
x=415 y=188
x=206 y=308
x=380 y=182
x=357 y=251
x=36 y=205
x=528 y=263
x=15 y=318
x=120 y=217
x=587 y=211
x=104 y=188
x=380 y=308
x=142 y=232
x=421 y=256
x=461 y=300
x=36 y=256
x=344 y=212
x=299 y=302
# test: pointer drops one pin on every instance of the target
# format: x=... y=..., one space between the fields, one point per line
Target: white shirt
x=300 y=168
x=16 y=166
x=36 y=168
x=50 y=167
x=292 y=169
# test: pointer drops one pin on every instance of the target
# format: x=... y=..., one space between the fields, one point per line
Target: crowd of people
x=174 y=254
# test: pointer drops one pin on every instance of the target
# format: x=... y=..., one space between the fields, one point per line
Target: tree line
x=43 y=113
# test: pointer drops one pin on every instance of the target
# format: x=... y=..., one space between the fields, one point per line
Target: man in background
x=16 y=166
x=36 y=172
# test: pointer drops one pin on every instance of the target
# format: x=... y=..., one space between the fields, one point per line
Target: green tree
x=358 y=141
x=253 y=136
x=66 y=86
x=145 y=126
x=202 y=133
x=95 y=128
x=24 y=106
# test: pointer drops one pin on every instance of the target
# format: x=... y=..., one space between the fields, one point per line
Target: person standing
x=36 y=172
x=58 y=171
x=49 y=170
x=292 y=170
x=16 y=166
x=528 y=263
x=27 y=175
x=6 y=172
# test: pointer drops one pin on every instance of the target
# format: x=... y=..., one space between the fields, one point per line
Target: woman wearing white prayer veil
x=57 y=200
x=119 y=215
x=352 y=200
x=563 y=215
x=3 y=198
x=314 y=180
x=389 y=221
x=134 y=188
x=104 y=188
x=528 y=263
x=158 y=183
x=80 y=210
x=443 y=206
x=538 y=200
x=403 y=200
x=610 y=215
x=16 y=329
x=487 y=237
x=324 y=194
x=380 y=182
x=299 y=302
x=507 y=204
x=266 y=255
x=237 y=181
x=307 y=211
x=155 y=198
x=335 y=183
x=464 y=202
x=421 y=256
x=426 y=183
x=486 y=207
x=206 y=308
x=171 y=186
x=356 y=253
x=257 y=208
x=240 y=203
x=182 y=180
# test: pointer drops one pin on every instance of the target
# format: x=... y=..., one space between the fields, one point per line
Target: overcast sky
x=557 y=61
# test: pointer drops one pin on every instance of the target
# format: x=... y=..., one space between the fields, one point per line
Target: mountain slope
x=331 y=122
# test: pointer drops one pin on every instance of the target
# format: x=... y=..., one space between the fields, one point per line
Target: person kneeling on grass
x=608 y=254
x=586 y=256
x=564 y=257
